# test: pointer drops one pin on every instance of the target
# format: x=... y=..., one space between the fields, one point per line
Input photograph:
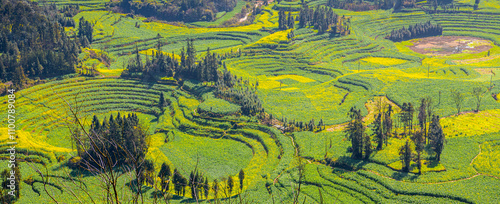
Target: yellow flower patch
x=384 y=61
x=110 y=72
x=26 y=141
x=189 y=103
x=472 y=124
x=270 y=84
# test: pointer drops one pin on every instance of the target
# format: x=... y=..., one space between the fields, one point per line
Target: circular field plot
x=448 y=45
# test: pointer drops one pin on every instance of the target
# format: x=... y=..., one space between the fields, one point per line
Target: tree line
x=429 y=133
x=292 y=125
x=167 y=65
x=33 y=44
x=323 y=19
x=419 y=30
x=176 y=10
x=85 y=31
x=197 y=184
x=236 y=90
x=353 y=5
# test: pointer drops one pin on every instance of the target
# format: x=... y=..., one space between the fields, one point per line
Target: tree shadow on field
x=348 y=163
x=77 y=172
x=431 y=163
x=133 y=187
x=222 y=200
x=334 y=35
x=197 y=88
x=154 y=120
x=402 y=175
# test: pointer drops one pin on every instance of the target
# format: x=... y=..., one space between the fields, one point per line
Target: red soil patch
x=447 y=45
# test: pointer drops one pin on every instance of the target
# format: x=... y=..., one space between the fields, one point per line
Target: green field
x=311 y=76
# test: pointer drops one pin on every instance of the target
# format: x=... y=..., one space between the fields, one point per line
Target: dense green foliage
x=263 y=112
x=178 y=10
x=122 y=138
x=33 y=45
x=416 y=31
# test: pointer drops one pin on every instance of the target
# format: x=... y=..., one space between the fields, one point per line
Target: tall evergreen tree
x=419 y=141
x=3 y=72
x=230 y=184
x=164 y=175
x=405 y=153
x=378 y=131
x=215 y=188
x=161 y=102
x=422 y=115
x=19 y=77
x=206 y=188
x=387 y=124
x=430 y=114
x=436 y=137
x=241 y=177
x=367 y=143
x=191 y=54
x=355 y=131
x=282 y=21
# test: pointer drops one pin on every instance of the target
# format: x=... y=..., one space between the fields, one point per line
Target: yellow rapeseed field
x=472 y=124
x=27 y=141
x=384 y=61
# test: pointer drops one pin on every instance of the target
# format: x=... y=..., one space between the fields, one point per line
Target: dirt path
x=257 y=4
x=476 y=157
x=472 y=161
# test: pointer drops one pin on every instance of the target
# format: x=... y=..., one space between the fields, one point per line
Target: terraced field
x=307 y=76
x=249 y=146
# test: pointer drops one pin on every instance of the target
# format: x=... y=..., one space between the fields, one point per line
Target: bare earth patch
x=448 y=45
x=486 y=71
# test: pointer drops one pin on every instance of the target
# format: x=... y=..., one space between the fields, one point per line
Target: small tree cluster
x=419 y=30
x=166 y=65
x=406 y=117
x=406 y=155
x=322 y=19
x=285 y=21
x=198 y=185
x=164 y=175
x=122 y=137
x=85 y=30
x=233 y=89
x=33 y=43
x=180 y=183
x=355 y=132
x=176 y=10
x=382 y=126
